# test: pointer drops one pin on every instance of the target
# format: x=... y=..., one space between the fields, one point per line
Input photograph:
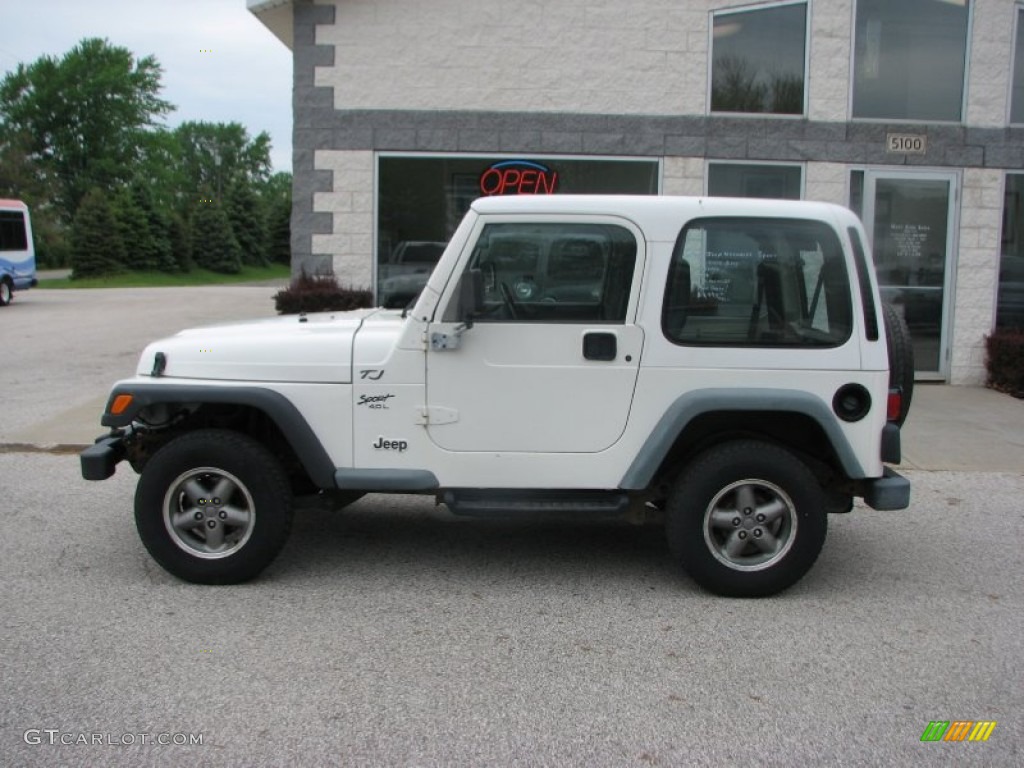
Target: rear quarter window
x=757 y=282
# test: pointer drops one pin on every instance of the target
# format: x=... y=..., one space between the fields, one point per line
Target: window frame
x=1004 y=223
x=757 y=163
x=446 y=310
x=1018 y=28
x=378 y=155
x=902 y=120
x=751 y=8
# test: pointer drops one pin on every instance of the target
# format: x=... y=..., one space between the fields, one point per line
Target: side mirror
x=471 y=296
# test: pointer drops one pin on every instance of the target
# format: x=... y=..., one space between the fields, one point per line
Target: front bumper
x=101 y=458
x=889 y=492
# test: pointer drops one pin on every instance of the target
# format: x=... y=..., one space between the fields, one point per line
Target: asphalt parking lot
x=396 y=634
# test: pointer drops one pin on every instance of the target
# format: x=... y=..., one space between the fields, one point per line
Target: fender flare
x=693 y=404
x=278 y=408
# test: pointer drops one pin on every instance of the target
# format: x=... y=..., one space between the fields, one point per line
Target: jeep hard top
x=723 y=365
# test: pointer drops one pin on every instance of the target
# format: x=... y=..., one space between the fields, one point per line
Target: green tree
x=133 y=231
x=213 y=244
x=96 y=247
x=181 y=250
x=279 y=237
x=277 y=187
x=84 y=114
x=276 y=194
x=158 y=226
x=20 y=179
x=248 y=222
x=159 y=170
x=215 y=156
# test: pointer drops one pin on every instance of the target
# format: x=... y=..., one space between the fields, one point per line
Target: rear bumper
x=23 y=283
x=101 y=458
x=889 y=492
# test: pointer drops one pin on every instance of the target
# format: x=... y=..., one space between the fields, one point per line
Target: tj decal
x=373 y=374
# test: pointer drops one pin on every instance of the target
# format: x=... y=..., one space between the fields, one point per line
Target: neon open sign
x=518 y=177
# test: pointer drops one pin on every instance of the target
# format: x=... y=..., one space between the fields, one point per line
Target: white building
x=909 y=112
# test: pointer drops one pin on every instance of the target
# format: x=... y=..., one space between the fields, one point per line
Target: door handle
x=600 y=345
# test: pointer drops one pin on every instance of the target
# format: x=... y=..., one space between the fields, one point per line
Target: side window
x=13 y=236
x=553 y=273
x=757 y=282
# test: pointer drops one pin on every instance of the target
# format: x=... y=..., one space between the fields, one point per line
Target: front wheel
x=6 y=293
x=213 y=507
x=746 y=519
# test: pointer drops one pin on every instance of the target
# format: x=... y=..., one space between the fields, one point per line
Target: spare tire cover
x=901 y=356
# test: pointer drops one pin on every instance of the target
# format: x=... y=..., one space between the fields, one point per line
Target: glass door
x=911 y=220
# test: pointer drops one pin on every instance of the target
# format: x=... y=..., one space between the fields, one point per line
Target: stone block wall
x=604 y=77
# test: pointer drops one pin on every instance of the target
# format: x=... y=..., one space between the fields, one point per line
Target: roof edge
x=276 y=15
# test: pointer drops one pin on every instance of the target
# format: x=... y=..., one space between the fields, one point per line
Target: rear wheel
x=213 y=507
x=6 y=292
x=746 y=519
x=901 y=357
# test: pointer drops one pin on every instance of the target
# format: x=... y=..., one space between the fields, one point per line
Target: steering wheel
x=509 y=300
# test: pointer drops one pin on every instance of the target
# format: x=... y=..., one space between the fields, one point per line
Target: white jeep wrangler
x=723 y=363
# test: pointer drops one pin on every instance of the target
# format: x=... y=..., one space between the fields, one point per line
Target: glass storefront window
x=909 y=59
x=909 y=218
x=754 y=180
x=421 y=201
x=1010 y=301
x=1017 y=97
x=758 y=61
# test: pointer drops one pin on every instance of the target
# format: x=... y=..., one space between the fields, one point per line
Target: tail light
x=894 y=404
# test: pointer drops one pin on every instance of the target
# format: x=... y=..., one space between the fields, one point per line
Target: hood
x=315 y=348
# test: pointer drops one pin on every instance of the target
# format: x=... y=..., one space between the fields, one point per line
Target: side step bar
x=487 y=503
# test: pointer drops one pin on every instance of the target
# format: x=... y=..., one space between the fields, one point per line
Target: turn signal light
x=120 y=403
x=893 y=405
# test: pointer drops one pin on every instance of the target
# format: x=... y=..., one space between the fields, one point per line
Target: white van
x=17 y=254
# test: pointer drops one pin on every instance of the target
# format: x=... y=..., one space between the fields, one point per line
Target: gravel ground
x=64 y=349
x=395 y=634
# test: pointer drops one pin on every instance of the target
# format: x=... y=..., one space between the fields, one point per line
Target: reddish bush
x=1005 y=361
x=320 y=293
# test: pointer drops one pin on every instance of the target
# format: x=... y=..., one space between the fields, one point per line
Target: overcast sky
x=246 y=78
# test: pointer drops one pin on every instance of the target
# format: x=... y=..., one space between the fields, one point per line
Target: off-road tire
x=179 y=486
x=748 y=481
x=901 y=356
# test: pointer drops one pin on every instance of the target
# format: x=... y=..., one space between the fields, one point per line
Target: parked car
x=17 y=252
x=407 y=271
x=725 y=365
